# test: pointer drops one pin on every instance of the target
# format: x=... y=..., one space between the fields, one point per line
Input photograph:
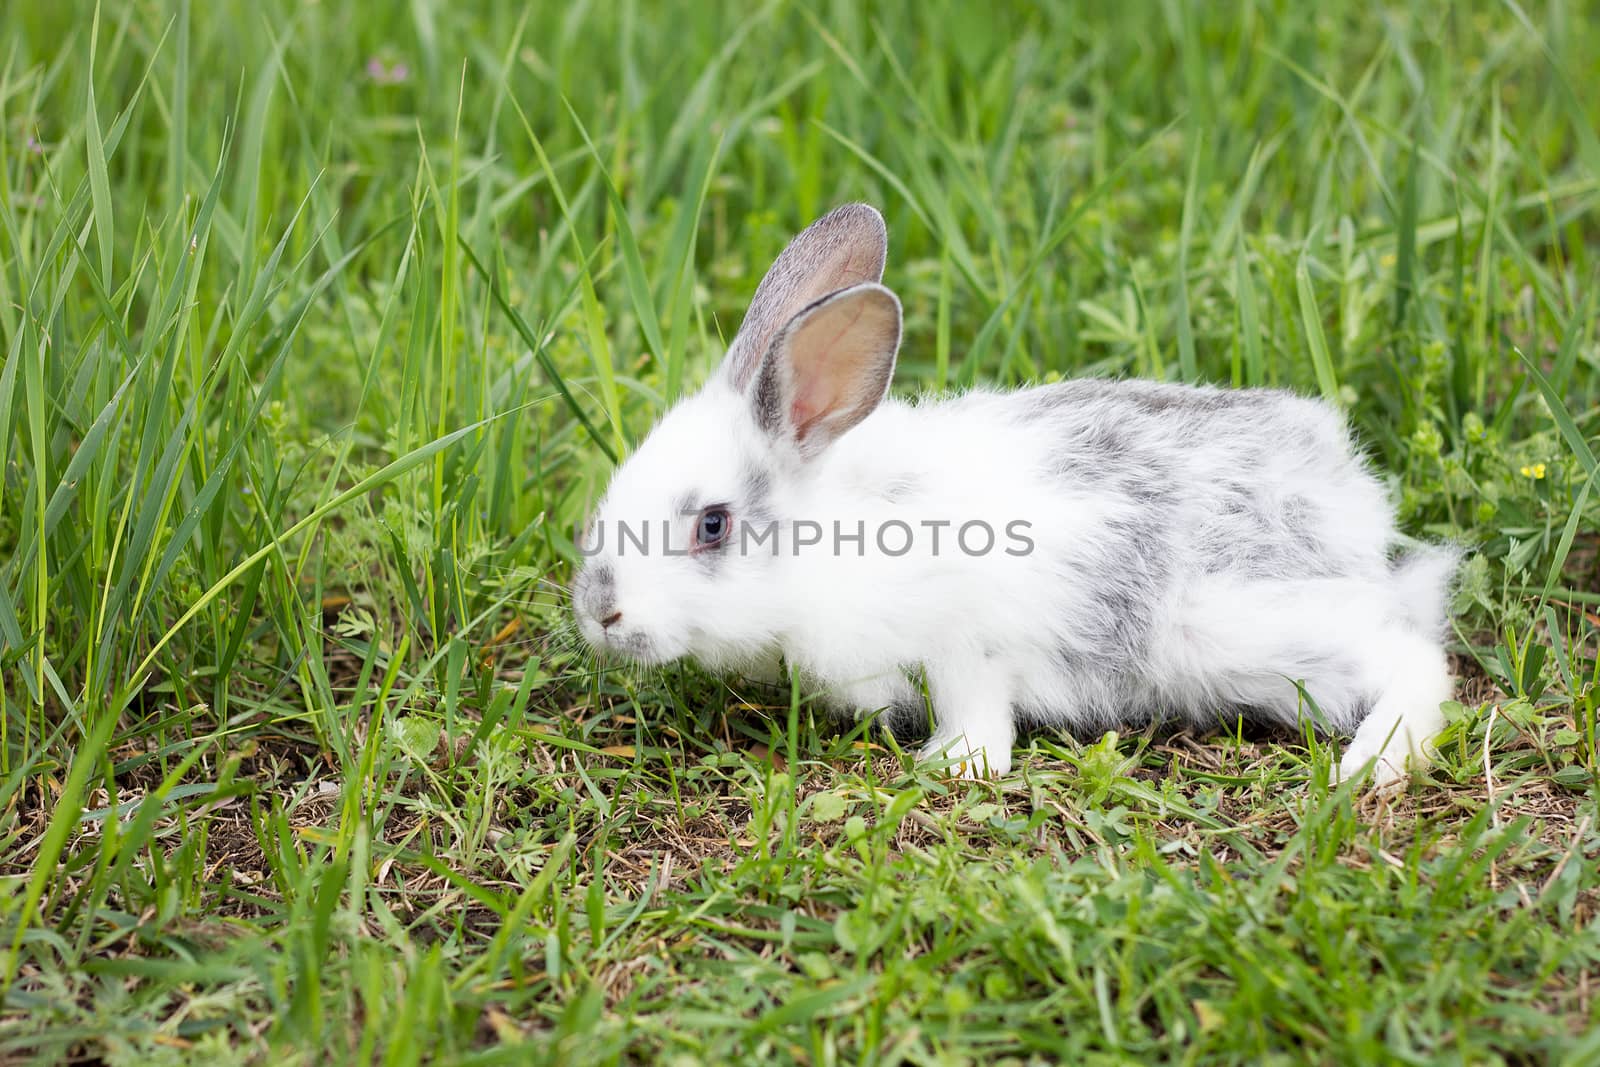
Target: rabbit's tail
x=1421 y=579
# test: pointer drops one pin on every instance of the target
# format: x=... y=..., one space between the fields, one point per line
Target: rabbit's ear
x=843 y=248
x=828 y=368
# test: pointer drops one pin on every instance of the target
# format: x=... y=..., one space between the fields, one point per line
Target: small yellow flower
x=1533 y=470
x=1388 y=259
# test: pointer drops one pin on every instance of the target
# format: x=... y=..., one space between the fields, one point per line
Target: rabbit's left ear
x=828 y=367
x=843 y=248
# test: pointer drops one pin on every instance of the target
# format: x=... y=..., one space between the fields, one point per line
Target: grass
x=324 y=322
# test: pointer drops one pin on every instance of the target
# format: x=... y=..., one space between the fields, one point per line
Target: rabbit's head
x=682 y=553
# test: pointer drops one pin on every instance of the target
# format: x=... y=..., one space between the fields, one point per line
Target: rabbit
x=1088 y=554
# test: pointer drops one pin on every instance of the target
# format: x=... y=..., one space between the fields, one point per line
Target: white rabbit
x=1089 y=554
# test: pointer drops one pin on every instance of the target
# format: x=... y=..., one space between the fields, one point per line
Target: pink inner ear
x=822 y=376
x=810 y=407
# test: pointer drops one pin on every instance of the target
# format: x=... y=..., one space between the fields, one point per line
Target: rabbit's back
x=1254 y=483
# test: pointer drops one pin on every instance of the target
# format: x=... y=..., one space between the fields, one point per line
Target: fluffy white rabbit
x=1089 y=554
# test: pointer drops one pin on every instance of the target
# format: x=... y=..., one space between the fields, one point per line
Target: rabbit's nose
x=611 y=620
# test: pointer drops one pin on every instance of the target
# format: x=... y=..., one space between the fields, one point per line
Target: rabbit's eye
x=712 y=526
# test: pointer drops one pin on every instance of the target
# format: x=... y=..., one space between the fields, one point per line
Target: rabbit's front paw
x=1390 y=771
x=973 y=758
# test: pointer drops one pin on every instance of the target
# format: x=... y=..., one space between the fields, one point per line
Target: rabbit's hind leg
x=1413 y=678
x=1367 y=672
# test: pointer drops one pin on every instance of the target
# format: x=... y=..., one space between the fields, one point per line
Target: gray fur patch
x=756 y=490
x=1123 y=576
x=767 y=399
x=1128 y=438
x=595 y=589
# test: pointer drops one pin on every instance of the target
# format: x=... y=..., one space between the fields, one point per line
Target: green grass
x=322 y=324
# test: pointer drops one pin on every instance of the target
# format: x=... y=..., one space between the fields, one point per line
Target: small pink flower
x=384 y=74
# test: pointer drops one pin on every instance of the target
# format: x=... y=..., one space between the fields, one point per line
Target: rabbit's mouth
x=633 y=646
x=625 y=643
x=617 y=629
